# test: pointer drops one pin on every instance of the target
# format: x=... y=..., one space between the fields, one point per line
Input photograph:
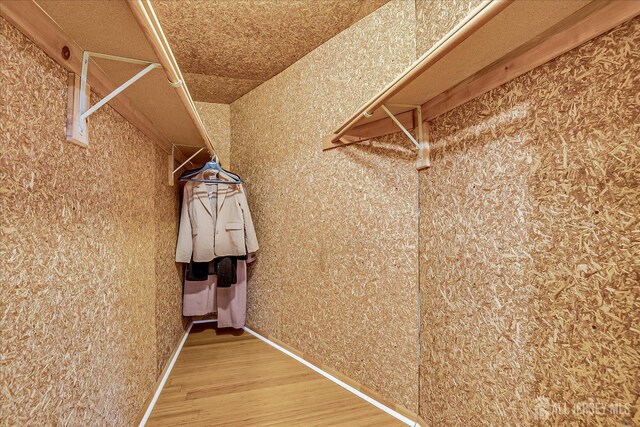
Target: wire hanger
x=211 y=165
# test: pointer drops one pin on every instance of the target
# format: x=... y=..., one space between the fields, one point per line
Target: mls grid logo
x=542 y=408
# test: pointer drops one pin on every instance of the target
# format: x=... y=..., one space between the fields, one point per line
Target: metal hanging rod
x=148 y=21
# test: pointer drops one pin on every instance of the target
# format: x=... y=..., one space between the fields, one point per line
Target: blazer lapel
x=223 y=189
x=200 y=192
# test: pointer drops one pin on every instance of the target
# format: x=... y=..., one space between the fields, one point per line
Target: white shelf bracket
x=421 y=140
x=171 y=161
x=79 y=92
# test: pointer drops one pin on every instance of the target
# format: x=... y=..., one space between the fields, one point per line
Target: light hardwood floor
x=230 y=378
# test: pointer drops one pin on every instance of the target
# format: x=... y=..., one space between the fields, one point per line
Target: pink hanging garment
x=202 y=298
x=199 y=298
x=232 y=301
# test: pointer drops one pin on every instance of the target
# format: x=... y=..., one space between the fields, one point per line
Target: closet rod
x=148 y=22
x=483 y=13
x=31 y=20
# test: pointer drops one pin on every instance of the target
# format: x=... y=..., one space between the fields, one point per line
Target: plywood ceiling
x=225 y=48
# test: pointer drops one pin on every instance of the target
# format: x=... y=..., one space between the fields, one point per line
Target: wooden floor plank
x=230 y=378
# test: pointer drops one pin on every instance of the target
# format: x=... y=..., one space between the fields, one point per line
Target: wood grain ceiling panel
x=242 y=41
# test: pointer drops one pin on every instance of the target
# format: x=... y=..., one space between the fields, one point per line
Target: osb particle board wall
x=169 y=323
x=336 y=275
x=435 y=18
x=529 y=262
x=217 y=122
x=91 y=297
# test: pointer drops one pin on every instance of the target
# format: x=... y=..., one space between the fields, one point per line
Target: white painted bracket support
x=79 y=92
x=171 y=170
x=73 y=111
x=421 y=140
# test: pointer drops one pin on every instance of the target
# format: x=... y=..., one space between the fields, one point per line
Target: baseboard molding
x=400 y=413
x=143 y=417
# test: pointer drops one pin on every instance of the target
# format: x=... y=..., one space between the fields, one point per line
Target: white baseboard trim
x=166 y=375
x=330 y=377
x=309 y=365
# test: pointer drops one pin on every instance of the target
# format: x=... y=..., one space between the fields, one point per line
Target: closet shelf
x=158 y=104
x=496 y=42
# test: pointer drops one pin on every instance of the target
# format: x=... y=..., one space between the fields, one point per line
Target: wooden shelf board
x=110 y=27
x=497 y=42
x=151 y=103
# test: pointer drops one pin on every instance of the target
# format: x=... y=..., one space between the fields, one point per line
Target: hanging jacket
x=205 y=234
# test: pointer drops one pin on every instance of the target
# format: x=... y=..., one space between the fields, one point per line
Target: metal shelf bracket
x=421 y=140
x=172 y=161
x=79 y=92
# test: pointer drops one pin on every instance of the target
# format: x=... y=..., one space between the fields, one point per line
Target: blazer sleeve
x=250 y=238
x=184 y=247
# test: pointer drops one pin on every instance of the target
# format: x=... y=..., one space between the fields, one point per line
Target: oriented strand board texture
x=435 y=18
x=217 y=89
x=336 y=275
x=529 y=247
x=236 y=43
x=217 y=121
x=90 y=301
x=169 y=323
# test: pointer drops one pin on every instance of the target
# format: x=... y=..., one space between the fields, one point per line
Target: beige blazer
x=205 y=234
